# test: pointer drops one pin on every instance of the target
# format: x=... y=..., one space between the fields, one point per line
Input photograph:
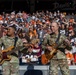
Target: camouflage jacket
x=8 y=42
x=51 y=40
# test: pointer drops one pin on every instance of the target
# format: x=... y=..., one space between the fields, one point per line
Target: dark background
x=36 y=5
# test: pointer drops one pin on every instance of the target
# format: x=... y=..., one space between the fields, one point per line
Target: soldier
x=10 y=67
x=59 y=58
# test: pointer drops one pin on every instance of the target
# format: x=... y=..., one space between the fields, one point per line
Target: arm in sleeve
x=1 y=41
x=45 y=42
x=67 y=43
x=20 y=43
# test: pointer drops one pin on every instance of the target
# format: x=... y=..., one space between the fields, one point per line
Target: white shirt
x=73 y=49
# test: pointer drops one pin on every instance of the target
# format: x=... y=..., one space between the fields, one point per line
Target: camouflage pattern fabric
x=10 y=67
x=62 y=63
x=51 y=40
x=59 y=59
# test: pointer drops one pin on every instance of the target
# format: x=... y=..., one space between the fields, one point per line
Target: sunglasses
x=70 y=32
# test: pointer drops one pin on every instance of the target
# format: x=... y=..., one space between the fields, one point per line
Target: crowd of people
x=34 y=28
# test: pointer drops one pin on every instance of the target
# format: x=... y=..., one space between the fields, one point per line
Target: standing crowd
x=34 y=28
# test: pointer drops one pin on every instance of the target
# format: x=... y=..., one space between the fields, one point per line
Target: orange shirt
x=69 y=56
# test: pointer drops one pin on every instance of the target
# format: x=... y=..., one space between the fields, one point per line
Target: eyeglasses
x=70 y=32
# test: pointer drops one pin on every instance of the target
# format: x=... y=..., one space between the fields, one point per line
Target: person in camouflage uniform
x=10 y=67
x=59 y=59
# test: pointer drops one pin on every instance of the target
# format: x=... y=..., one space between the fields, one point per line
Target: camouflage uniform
x=10 y=67
x=59 y=59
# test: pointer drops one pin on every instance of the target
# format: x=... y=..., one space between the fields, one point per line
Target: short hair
x=55 y=22
x=13 y=26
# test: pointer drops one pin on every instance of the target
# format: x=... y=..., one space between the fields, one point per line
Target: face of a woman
x=36 y=45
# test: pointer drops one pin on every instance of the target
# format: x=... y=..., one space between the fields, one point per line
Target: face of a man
x=54 y=27
x=10 y=31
